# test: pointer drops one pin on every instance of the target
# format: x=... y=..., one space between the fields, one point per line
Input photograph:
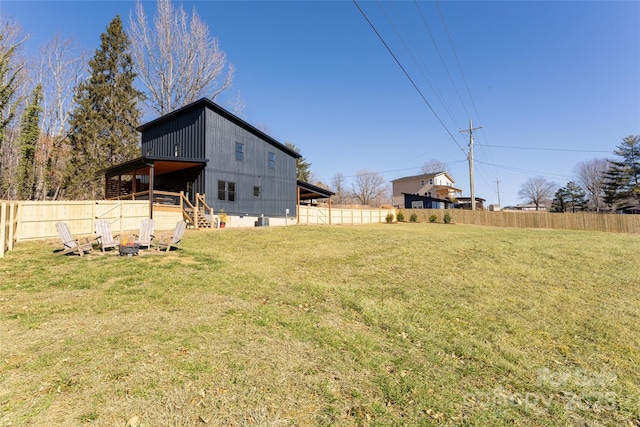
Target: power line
x=464 y=79
x=417 y=63
x=394 y=170
x=407 y=75
x=544 y=149
x=526 y=171
x=435 y=45
x=458 y=61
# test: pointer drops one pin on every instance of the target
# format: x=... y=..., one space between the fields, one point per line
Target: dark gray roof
x=310 y=191
x=162 y=165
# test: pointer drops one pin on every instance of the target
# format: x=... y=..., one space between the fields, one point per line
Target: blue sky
x=559 y=81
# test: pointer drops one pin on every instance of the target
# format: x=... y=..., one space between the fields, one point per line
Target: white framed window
x=239 y=151
x=227 y=191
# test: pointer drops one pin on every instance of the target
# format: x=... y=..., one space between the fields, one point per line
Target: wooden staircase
x=196 y=221
x=195 y=216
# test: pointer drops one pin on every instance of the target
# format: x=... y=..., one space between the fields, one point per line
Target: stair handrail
x=200 y=198
x=185 y=201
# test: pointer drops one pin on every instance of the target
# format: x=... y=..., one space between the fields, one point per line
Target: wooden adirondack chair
x=70 y=244
x=175 y=238
x=103 y=233
x=145 y=238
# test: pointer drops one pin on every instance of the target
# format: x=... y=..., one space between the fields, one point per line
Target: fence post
x=12 y=221
x=3 y=227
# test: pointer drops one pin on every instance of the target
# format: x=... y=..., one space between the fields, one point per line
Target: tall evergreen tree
x=28 y=140
x=576 y=197
x=623 y=177
x=105 y=117
x=303 y=171
x=570 y=198
x=559 y=203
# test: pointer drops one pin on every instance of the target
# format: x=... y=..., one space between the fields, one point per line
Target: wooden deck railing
x=196 y=215
x=202 y=204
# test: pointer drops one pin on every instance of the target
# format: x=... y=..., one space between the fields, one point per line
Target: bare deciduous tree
x=61 y=69
x=537 y=190
x=339 y=185
x=13 y=89
x=591 y=175
x=177 y=59
x=368 y=187
x=433 y=166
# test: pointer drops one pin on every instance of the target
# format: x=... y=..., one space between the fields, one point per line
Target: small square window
x=256 y=191
x=239 y=152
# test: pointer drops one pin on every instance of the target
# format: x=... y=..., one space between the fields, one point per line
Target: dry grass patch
x=415 y=324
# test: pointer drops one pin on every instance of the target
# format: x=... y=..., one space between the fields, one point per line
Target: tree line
x=600 y=184
x=64 y=114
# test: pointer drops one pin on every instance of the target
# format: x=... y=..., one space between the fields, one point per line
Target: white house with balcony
x=438 y=185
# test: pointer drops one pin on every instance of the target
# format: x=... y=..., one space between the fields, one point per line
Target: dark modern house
x=416 y=201
x=204 y=149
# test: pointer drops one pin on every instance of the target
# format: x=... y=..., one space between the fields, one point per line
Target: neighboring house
x=629 y=208
x=202 y=148
x=437 y=185
x=525 y=207
x=465 y=203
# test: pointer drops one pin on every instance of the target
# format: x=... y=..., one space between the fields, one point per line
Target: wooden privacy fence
x=614 y=223
x=322 y=215
x=37 y=220
x=8 y=225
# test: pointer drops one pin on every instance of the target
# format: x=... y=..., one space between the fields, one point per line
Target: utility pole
x=470 y=157
x=498 y=186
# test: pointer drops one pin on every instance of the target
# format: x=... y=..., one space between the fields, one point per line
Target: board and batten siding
x=277 y=185
x=186 y=131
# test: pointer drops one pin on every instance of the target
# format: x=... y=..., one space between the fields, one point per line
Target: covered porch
x=168 y=183
x=307 y=193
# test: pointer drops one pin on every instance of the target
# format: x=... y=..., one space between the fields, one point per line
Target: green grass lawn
x=403 y=324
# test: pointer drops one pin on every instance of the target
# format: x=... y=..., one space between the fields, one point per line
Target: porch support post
x=329 y=210
x=152 y=172
x=298 y=205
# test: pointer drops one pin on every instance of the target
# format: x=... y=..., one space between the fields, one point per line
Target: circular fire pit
x=129 y=250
